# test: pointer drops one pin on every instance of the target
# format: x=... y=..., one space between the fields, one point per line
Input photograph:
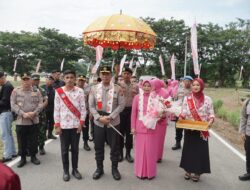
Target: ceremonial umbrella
x=119 y=31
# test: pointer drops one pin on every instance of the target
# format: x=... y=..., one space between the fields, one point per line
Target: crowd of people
x=116 y=110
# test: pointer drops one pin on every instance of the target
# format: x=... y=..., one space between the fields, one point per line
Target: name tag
x=33 y=94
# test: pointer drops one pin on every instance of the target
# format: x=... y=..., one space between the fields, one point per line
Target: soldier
x=129 y=91
x=85 y=132
x=49 y=110
x=27 y=104
x=106 y=101
x=42 y=116
x=69 y=116
x=56 y=74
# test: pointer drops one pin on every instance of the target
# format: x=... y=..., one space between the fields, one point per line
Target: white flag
x=135 y=70
x=113 y=64
x=194 y=49
x=172 y=64
x=162 y=66
x=122 y=63
x=241 y=69
x=62 y=63
x=15 y=63
x=38 y=65
x=131 y=63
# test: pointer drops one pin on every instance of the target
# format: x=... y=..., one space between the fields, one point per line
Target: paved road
x=225 y=166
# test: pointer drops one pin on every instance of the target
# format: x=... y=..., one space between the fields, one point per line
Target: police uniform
x=42 y=116
x=106 y=101
x=129 y=91
x=24 y=101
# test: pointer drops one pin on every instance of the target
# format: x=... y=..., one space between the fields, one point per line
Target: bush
x=222 y=113
x=217 y=105
x=234 y=118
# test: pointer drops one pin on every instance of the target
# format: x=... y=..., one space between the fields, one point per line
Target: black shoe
x=244 y=177
x=159 y=160
x=34 y=160
x=86 y=146
x=14 y=156
x=21 y=163
x=76 y=174
x=129 y=158
x=42 y=151
x=176 y=146
x=66 y=176
x=51 y=137
x=98 y=173
x=116 y=174
x=5 y=160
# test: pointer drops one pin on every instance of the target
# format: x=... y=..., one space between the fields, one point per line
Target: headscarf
x=157 y=85
x=199 y=96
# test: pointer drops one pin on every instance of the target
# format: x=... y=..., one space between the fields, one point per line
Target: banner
x=162 y=66
x=99 y=52
x=15 y=63
x=172 y=64
x=131 y=63
x=122 y=63
x=38 y=65
x=194 y=49
x=62 y=63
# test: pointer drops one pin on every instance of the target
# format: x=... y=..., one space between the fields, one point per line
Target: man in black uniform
x=56 y=74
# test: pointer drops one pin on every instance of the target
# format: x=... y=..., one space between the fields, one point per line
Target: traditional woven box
x=193 y=125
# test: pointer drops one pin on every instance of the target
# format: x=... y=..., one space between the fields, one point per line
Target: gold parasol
x=120 y=31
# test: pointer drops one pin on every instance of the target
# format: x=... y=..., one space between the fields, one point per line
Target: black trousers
x=85 y=130
x=178 y=134
x=101 y=134
x=247 y=149
x=69 y=137
x=125 y=128
x=27 y=136
x=50 y=121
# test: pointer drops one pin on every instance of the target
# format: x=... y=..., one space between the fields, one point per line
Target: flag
x=162 y=66
x=241 y=69
x=172 y=64
x=15 y=63
x=194 y=49
x=113 y=64
x=131 y=63
x=122 y=63
x=62 y=63
x=99 y=52
x=38 y=65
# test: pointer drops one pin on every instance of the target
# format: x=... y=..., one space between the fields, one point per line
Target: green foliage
x=222 y=113
x=217 y=105
x=231 y=117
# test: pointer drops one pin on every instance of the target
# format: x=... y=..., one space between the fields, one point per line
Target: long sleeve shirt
x=63 y=117
x=117 y=107
x=245 y=119
x=5 y=93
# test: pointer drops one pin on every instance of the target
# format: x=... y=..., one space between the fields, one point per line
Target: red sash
x=195 y=115
x=68 y=103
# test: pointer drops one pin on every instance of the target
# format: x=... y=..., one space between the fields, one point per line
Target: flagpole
x=185 y=61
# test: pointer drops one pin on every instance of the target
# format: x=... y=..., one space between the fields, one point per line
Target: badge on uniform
x=33 y=93
x=99 y=105
x=20 y=103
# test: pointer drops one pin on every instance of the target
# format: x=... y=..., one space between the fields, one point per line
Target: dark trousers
x=178 y=134
x=247 y=149
x=101 y=134
x=50 y=121
x=69 y=137
x=27 y=139
x=85 y=130
x=125 y=128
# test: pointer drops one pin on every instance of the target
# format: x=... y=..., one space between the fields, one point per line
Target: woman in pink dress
x=161 y=126
x=145 y=138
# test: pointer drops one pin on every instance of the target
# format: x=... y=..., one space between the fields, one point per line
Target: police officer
x=129 y=91
x=81 y=83
x=42 y=116
x=27 y=104
x=106 y=101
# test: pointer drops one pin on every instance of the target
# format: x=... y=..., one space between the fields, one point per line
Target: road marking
x=228 y=145
x=12 y=163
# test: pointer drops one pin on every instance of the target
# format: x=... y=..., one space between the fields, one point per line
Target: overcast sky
x=73 y=16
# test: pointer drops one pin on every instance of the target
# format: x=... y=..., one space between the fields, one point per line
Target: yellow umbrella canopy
x=119 y=31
